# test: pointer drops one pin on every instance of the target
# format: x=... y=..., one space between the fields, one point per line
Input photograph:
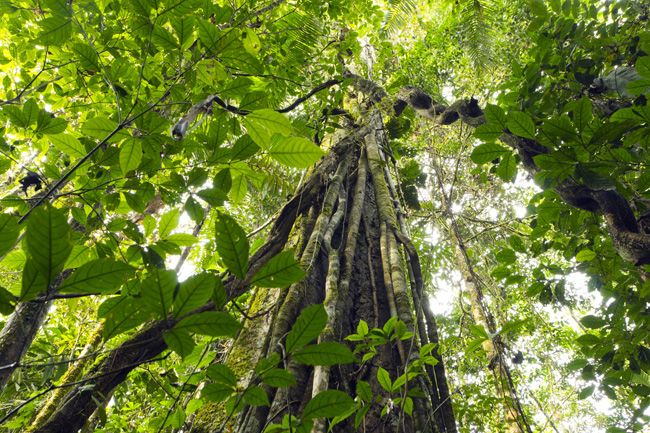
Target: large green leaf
x=222 y=374
x=488 y=132
x=327 y=353
x=98 y=276
x=327 y=404
x=521 y=124
x=55 y=30
x=158 y=291
x=308 y=326
x=48 y=240
x=211 y=323
x=168 y=222
x=122 y=313
x=9 y=232
x=33 y=282
x=232 y=244
x=88 y=58
x=263 y=124
x=101 y=127
x=180 y=342
x=295 y=152
x=66 y=143
x=130 y=155
x=193 y=292
x=507 y=168
x=496 y=116
x=486 y=152
x=281 y=271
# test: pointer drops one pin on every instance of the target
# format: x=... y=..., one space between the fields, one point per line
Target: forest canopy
x=314 y=216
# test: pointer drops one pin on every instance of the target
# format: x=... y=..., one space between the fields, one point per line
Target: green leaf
x=53 y=126
x=582 y=114
x=33 y=282
x=232 y=244
x=327 y=353
x=586 y=392
x=506 y=256
x=278 y=378
x=101 y=127
x=488 y=132
x=638 y=87
x=486 y=152
x=585 y=255
x=593 y=322
x=222 y=374
x=9 y=232
x=577 y=364
x=66 y=143
x=308 y=326
x=48 y=240
x=242 y=60
x=213 y=196
x=295 y=152
x=55 y=30
x=244 y=148
x=181 y=239
x=521 y=124
x=208 y=34
x=122 y=313
x=194 y=210
x=479 y=331
x=327 y=404
x=496 y=116
x=168 y=222
x=216 y=392
x=180 y=342
x=261 y=125
x=211 y=323
x=588 y=340
x=507 y=168
x=255 y=396
x=281 y=271
x=142 y=7
x=642 y=66
x=30 y=111
x=158 y=291
x=98 y=276
x=88 y=58
x=163 y=38
x=364 y=391
x=130 y=155
x=193 y=293
x=384 y=379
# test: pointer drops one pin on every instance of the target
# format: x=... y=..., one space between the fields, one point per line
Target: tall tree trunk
x=357 y=271
x=350 y=240
x=515 y=418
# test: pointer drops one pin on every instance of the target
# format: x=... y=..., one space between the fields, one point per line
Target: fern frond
x=476 y=23
x=399 y=12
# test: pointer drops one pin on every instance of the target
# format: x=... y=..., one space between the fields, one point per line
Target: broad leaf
x=521 y=124
x=9 y=232
x=211 y=323
x=192 y=293
x=281 y=271
x=48 y=240
x=295 y=152
x=98 y=276
x=327 y=404
x=158 y=291
x=232 y=245
x=327 y=353
x=308 y=326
